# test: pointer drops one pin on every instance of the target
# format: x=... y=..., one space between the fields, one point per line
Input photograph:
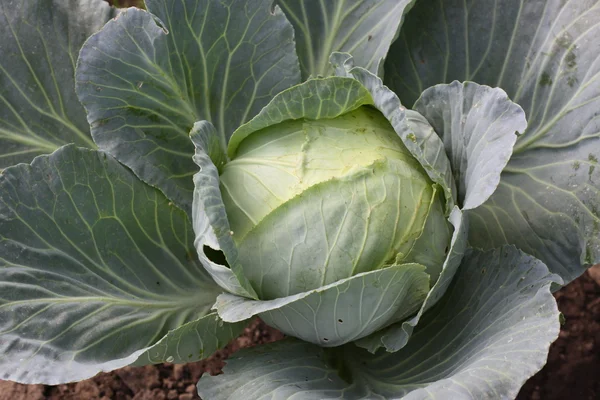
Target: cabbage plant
x=397 y=185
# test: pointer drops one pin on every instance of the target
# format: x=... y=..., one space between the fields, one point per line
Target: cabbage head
x=348 y=181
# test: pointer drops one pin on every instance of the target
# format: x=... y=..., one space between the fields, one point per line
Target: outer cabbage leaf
x=95 y=268
x=489 y=333
x=39 y=44
x=544 y=54
x=340 y=312
x=145 y=85
x=209 y=215
x=192 y=341
x=478 y=125
x=363 y=28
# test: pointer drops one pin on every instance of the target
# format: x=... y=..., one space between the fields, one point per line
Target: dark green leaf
x=363 y=28
x=544 y=54
x=192 y=341
x=478 y=126
x=145 y=85
x=95 y=268
x=39 y=44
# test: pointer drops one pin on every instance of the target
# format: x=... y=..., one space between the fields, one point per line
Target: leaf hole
x=216 y=256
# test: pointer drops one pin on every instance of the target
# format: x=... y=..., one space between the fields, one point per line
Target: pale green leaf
x=338 y=228
x=280 y=162
x=396 y=336
x=415 y=131
x=339 y=312
x=432 y=247
x=315 y=99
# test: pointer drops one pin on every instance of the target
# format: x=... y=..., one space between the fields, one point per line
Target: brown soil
x=573 y=369
x=126 y=3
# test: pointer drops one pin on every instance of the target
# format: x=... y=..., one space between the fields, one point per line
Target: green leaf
x=209 y=215
x=414 y=130
x=396 y=336
x=39 y=43
x=432 y=247
x=363 y=28
x=340 y=312
x=95 y=268
x=314 y=99
x=489 y=333
x=282 y=370
x=145 y=85
x=543 y=53
x=192 y=341
x=478 y=126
